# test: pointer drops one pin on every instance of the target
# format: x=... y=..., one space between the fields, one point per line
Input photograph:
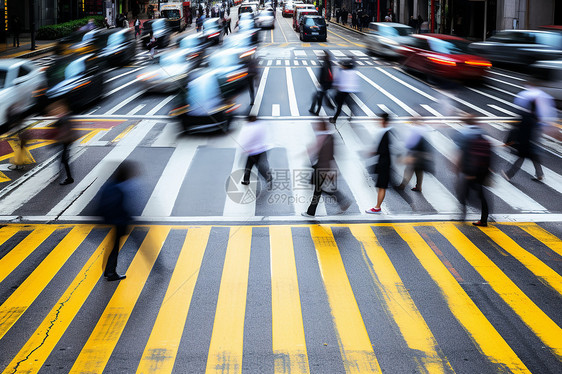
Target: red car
x=443 y=56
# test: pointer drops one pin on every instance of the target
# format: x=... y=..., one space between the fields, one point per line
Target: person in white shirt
x=545 y=108
x=346 y=82
x=254 y=142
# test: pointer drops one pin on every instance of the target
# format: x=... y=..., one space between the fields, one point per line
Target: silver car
x=170 y=74
x=551 y=74
x=265 y=19
x=384 y=38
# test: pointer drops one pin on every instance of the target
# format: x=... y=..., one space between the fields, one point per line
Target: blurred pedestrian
x=255 y=143
x=473 y=166
x=420 y=22
x=88 y=26
x=16 y=30
x=115 y=208
x=151 y=45
x=324 y=176
x=125 y=21
x=325 y=79
x=20 y=151
x=383 y=166
x=413 y=23
x=528 y=132
x=64 y=135
x=354 y=20
x=418 y=159
x=106 y=23
x=346 y=82
x=252 y=74
x=137 y=27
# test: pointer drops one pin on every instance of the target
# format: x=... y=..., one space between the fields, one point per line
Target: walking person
x=325 y=79
x=255 y=143
x=473 y=167
x=324 y=177
x=137 y=27
x=527 y=134
x=383 y=166
x=346 y=82
x=115 y=208
x=16 y=30
x=64 y=136
x=151 y=45
x=252 y=74
x=418 y=160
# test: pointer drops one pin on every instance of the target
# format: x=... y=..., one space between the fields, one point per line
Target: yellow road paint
x=342 y=45
x=122 y=135
x=415 y=331
x=305 y=45
x=283 y=45
x=355 y=346
x=4 y=178
x=28 y=148
x=101 y=343
x=530 y=261
x=347 y=40
x=22 y=155
x=323 y=44
x=545 y=329
x=289 y=345
x=20 y=252
x=27 y=292
x=484 y=335
x=162 y=347
x=551 y=241
x=6 y=233
x=89 y=136
x=225 y=350
x=41 y=343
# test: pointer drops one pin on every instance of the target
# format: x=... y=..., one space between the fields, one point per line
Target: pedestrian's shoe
x=416 y=189
x=66 y=181
x=373 y=211
x=312 y=111
x=15 y=167
x=480 y=223
x=504 y=175
x=344 y=207
x=115 y=277
x=245 y=183
x=537 y=179
x=400 y=187
x=305 y=214
x=332 y=120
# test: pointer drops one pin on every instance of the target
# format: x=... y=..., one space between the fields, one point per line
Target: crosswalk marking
x=463 y=308
x=358 y=53
x=355 y=346
x=163 y=344
x=402 y=82
x=289 y=345
x=389 y=95
x=530 y=261
x=259 y=94
x=296 y=62
x=291 y=91
x=500 y=109
x=551 y=241
x=413 y=327
x=337 y=53
x=19 y=253
x=225 y=351
x=27 y=292
x=299 y=52
x=42 y=342
x=102 y=341
x=431 y=110
x=124 y=102
x=545 y=329
x=275 y=110
x=269 y=62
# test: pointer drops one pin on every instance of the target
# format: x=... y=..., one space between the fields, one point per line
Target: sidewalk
x=347 y=27
x=23 y=51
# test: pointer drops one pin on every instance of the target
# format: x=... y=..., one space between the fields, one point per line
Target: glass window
x=189 y=42
x=203 y=95
x=550 y=39
x=168 y=59
x=115 y=38
x=24 y=70
x=309 y=21
x=223 y=59
x=450 y=47
x=403 y=31
x=171 y=13
x=74 y=68
x=3 y=74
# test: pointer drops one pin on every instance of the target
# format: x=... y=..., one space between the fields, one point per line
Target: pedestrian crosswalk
x=435 y=297
x=182 y=178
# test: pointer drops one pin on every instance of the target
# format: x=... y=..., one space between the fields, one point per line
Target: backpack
x=479 y=157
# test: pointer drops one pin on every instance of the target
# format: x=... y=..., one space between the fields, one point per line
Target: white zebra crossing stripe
x=259 y=94
x=291 y=92
x=275 y=110
x=362 y=105
x=415 y=89
x=500 y=109
x=123 y=103
x=358 y=53
x=389 y=95
x=299 y=52
x=318 y=52
x=385 y=109
x=337 y=53
x=431 y=110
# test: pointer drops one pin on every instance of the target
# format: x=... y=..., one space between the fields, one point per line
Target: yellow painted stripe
x=20 y=252
x=225 y=350
x=89 y=136
x=39 y=346
x=551 y=241
x=6 y=233
x=29 y=148
x=355 y=346
x=27 y=292
x=162 y=347
x=347 y=40
x=4 y=178
x=323 y=44
x=305 y=45
x=530 y=261
x=415 y=331
x=101 y=343
x=289 y=345
x=546 y=329
x=484 y=335
x=123 y=133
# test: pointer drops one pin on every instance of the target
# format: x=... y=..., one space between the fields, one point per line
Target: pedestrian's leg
x=248 y=169
x=251 y=89
x=462 y=190
x=516 y=166
x=340 y=97
x=408 y=172
x=482 y=197
x=538 y=168
x=64 y=161
x=381 y=193
x=347 y=100
x=312 y=108
x=263 y=167
x=315 y=200
x=419 y=179
x=319 y=98
x=111 y=266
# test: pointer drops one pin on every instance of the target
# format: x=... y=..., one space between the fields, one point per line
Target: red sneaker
x=373 y=210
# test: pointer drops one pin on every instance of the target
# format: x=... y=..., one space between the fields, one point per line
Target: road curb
x=29 y=54
x=347 y=28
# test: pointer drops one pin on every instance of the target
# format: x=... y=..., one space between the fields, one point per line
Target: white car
x=551 y=72
x=265 y=19
x=20 y=83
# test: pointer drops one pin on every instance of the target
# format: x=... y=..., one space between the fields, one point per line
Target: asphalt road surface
x=227 y=278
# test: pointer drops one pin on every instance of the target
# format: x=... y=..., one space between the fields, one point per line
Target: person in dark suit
x=324 y=177
x=325 y=79
x=383 y=166
x=16 y=29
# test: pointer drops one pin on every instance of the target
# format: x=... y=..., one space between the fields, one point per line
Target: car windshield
x=74 y=68
x=246 y=9
x=171 y=13
x=223 y=59
x=314 y=21
x=3 y=74
x=171 y=59
x=158 y=24
x=235 y=41
x=450 y=47
x=211 y=24
x=116 y=38
x=246 y=25
x=190 y=42
x=550 y=39
x=266 y=13
x=203 y=95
